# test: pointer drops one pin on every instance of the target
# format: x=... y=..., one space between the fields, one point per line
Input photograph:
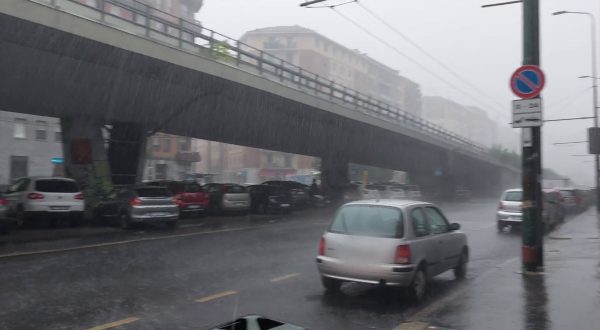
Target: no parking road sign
x=527 y=82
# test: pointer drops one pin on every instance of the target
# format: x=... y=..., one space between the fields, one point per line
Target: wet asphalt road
x=210 y=275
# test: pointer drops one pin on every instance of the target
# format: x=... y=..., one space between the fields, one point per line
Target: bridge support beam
x=126 y=153
x=334 y=176
x=86 y=159
x=97 y=165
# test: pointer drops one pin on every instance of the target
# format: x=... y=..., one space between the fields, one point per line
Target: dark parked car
x=189 y=196
x=572 y=200
x=227 y=197
x=265 y=198
x=139 y=205
x=4 y=219
x=300 y=192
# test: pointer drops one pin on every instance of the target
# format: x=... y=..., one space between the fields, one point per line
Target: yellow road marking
x=115 y=323
x=284 y=277
x=412 y=326
x=217 y=296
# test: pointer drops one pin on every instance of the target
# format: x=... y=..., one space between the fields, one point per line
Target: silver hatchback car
x=391 y=242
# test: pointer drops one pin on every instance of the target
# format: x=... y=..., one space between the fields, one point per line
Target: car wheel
x=124 y=221
x=418 y=287
x=262 y=208
x=22 y=218
x=217 y=210
x=76 y=221
x=500 y=227
x=460 y=271
x=331 y=285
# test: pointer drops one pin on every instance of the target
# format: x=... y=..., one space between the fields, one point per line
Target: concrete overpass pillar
x=127 y=153
x=86 y=159
x=97 y=165
x=334 y=176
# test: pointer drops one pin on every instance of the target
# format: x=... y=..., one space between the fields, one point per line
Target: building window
x=19 y=132
x=155 y=144
x=58 y=135
x=185 y=143
x=166 y=145
x=18 y=167
x=41 y=130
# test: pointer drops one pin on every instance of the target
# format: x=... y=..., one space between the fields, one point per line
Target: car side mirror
x=454 y=226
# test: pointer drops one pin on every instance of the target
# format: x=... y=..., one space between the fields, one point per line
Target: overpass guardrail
x=143 y=20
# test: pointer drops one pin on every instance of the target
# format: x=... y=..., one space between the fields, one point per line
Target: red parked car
x=188 y=195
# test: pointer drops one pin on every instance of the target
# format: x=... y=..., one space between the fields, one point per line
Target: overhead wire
x=429 y=55
x=399 y=52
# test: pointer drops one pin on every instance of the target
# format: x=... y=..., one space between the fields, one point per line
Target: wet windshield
x=513 y=196
x=368 y=220
x=152 y=192
x=56 y=186
x=185 y=164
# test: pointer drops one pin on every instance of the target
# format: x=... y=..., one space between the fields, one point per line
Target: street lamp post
x=594 y=78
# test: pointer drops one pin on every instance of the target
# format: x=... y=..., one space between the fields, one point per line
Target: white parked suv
x=48 y=198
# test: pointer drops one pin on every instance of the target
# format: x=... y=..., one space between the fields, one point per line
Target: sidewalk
x=567 y=296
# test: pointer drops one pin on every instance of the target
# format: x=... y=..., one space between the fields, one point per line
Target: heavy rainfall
x=299 y=164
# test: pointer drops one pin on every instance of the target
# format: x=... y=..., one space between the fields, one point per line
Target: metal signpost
x=527 y=83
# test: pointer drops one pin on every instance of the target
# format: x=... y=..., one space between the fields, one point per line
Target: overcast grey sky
x=482 y=45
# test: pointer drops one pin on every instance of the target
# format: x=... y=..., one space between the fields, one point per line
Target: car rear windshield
x=56 y=186
x=235 y=189
x=513 y=196
x=152 y=192
x=567 y=193
x=368 y=220
x=190 y=187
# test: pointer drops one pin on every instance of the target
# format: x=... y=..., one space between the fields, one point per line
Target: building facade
x=468 y=121
x=238 y=164
x=351 y=68
x=169 y=157
x=30 y=145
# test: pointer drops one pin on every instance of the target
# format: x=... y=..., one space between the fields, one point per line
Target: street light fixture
x=594 y=77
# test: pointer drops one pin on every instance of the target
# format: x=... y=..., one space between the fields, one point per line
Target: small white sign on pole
x=526 y=137
x=527 y=113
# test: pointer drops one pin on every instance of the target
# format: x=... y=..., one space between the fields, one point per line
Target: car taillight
x=3 y=201
x=500 y=206
x=402 y=254
x=135 y=202
x=322 y=246
x=177 y=199
x=79 y=196
x=35 y=195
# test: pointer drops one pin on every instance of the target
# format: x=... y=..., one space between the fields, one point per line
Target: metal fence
x=143 y=20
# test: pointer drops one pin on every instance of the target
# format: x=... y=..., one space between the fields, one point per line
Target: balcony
x=188 y=156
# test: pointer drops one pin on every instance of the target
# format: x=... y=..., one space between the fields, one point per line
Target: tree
x=505 y=156
x=222 y=52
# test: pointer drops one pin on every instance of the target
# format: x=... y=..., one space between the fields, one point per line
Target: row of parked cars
x=390 y=190
x=557 y=204
x=35 y=199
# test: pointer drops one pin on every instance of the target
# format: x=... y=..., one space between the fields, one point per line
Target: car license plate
x=285 y=205
x=59 y=208
x=157 y=214
x=194 y=207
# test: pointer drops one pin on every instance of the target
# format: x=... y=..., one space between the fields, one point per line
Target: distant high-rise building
x=468 y=121
x=351 y=68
